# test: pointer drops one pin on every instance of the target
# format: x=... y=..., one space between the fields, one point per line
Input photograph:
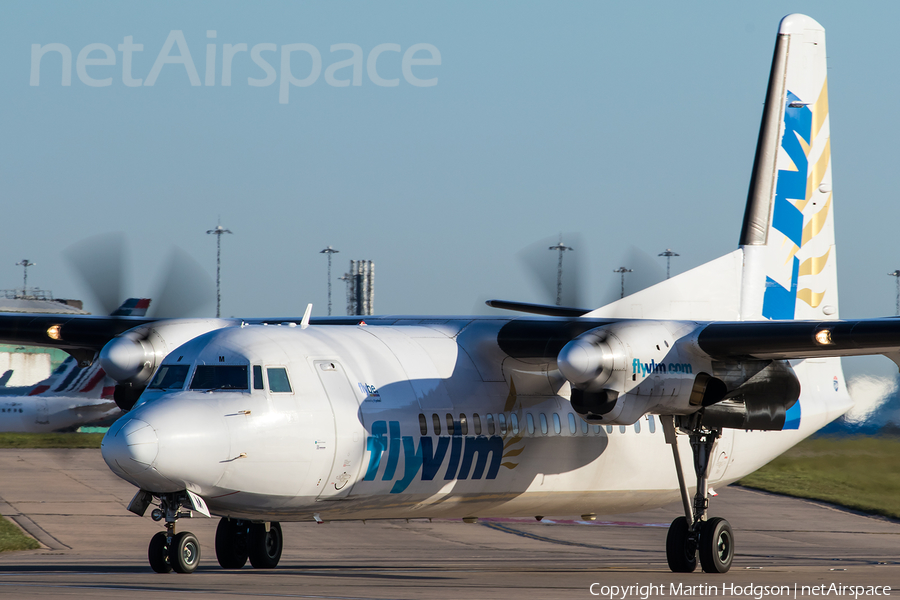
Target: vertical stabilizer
x=788 y=232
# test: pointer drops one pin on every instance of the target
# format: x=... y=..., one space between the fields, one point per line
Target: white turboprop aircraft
x=575 y=412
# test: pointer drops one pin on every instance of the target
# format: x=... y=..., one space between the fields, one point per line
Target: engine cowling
x=622 y=371
x=132 y=357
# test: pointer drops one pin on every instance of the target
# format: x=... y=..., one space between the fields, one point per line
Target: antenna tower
x=218 y=231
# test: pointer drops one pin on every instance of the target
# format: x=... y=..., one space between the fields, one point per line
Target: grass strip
x=12 y=538
x=859 y=472
x=50 y=440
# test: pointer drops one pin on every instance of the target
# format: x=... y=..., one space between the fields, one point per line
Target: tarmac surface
x=73 y=505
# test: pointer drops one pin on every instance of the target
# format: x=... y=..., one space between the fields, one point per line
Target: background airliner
x=71 y=397
x=722 y=368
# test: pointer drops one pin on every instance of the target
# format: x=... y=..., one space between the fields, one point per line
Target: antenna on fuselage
x=304 y=323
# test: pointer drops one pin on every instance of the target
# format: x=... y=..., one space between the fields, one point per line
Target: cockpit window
x=169 y=377
x=278 y=379
x=220 y=377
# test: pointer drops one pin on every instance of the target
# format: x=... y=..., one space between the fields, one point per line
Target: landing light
x=54 y=332
x=823 y=337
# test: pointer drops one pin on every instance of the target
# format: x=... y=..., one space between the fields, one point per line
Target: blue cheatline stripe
x=792 y=418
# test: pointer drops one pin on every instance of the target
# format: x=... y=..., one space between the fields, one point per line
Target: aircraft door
x=349 y=435
x=42 y=412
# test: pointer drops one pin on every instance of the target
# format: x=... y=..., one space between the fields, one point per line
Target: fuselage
x=419 y=419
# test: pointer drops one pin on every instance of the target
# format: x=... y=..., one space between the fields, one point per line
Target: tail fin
x=788 y=233
x=133 y=307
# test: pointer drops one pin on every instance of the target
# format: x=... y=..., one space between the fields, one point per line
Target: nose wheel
x=169 y=551
x=693 y=533
x=179 y=552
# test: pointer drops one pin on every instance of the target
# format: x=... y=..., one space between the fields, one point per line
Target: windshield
x=170 y=377
x=220 y=377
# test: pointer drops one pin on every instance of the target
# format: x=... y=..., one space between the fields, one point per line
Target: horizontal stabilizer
x=548 y=310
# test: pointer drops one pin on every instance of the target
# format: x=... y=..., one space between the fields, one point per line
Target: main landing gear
x=713 y=538
x=236 y=540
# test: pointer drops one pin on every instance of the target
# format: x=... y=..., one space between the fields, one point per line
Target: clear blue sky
x=630 y=124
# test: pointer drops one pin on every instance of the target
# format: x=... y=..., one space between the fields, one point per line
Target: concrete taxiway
x=75 y=507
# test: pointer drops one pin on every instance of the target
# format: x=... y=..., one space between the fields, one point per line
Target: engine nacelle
x=622 y=371
x=132 y=357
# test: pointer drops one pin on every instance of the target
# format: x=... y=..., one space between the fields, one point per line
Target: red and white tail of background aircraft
x=573 y=412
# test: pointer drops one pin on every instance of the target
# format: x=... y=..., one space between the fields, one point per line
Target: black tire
x=681 y=551
x=265 y=547
x=158 y=554
x=184 y=554
x=716 y=545
x=232 y=543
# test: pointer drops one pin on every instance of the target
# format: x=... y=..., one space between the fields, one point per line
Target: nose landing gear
x=169 y=551
x=713 y=538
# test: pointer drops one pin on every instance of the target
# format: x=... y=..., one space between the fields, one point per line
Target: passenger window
x=278 y=380
x=637 y=426
x=476 y=421
x=608 y=428
x=490 y=423
x=529 y=423
x=423 y=424
x=543 y=419
x=557 y=426
x=652 y=423
x=621 y=429
x=449 y=419
x=436 y=422
x=584 y=427
x=501 y=420
x=220 y=377
x=170 y=377
x=573 y=427
x=514 y=419
x=463 y=424
x=258 y=383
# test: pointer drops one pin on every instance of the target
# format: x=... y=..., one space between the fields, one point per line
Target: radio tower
x=623 y=270
x=218 y=231
x=561 y=248
x=26 y=263
x=668 y=254
x=329 y=251
x=897 y=275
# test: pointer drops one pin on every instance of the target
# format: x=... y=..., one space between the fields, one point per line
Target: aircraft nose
x=177 y=442
x=130 y=447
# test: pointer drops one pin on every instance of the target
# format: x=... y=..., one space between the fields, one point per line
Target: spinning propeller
x=183 y=288
x=541 y=261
